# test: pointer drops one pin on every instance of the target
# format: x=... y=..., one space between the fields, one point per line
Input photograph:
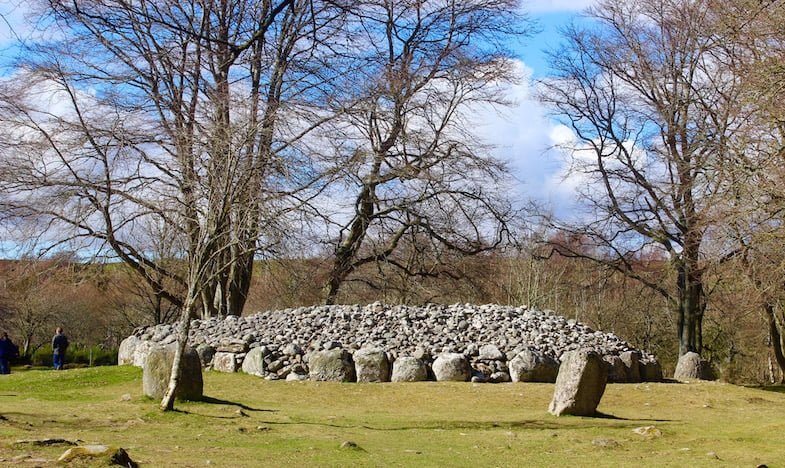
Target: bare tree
x=653 y=111
x=165 y=114
x=405 y=156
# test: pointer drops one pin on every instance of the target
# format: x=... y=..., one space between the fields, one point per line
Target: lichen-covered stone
x=158 y=369
x=371 y=365
x=409 y=369
x=334 y=365
x=580 y=384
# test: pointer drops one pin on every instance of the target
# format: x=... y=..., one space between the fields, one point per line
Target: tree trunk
x=167 y=403
x=690 y=308
x=777 y=335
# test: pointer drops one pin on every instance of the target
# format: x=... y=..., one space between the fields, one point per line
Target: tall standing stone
x=692 y=367
x=580 y=384
x=125 y=354
x=158 y=369
x=631 y=360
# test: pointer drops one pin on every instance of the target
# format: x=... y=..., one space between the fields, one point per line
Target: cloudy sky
x=521 y=134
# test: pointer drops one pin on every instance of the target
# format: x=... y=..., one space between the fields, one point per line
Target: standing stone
x=692 y=367
x=617 y=371
x=333 y=365
x=452 y=367
x=254 y=362
x=651 y=370
x=371 y=365
x=225 y=362
x=141 y=351
x=125 y=355
x=158 y=369
x=532 y=366
x=409 y=369
x=580 y=384
x=631 y=360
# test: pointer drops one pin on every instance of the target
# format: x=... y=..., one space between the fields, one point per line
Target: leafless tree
x=405 y=157
x=653 y=110
x=165 y=113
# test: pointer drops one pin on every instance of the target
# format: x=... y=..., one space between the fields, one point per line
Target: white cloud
x=526 y=137
x=549 y=6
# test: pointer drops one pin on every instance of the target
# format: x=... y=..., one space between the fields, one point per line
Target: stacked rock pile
x=376 y=342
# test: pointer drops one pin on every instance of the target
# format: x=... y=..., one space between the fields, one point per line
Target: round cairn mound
x=280 y=344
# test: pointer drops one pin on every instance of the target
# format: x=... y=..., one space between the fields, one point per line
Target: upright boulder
x=617 y=371
x=452 y=367
x=371 y=365
x=631 y=360
x=692 y=367
x=140 y=352
x=158 y=369
x=125 y=355
x=409 y=369
x=579 y=385
x=254 y=361
x=333 y=365
x=651 y=370
x=532 y=366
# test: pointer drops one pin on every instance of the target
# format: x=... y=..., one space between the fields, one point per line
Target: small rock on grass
x=113 y=455
x=605 y=443
x=349 y=445
x=649 y=432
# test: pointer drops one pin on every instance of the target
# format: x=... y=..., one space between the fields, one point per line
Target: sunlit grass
x=247 y=421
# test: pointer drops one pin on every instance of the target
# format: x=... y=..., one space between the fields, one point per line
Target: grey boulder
x=692 y=367
x=452 y=367
x=225 y=362
x=254 y=361
x=125 y=354
x=532 y=366
x=158 y=369
x=631 y=360
x=409 y=369
x=371 y=365
x=579 y=385
x=334 y=365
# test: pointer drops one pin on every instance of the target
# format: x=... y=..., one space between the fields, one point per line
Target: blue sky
x=521 y=134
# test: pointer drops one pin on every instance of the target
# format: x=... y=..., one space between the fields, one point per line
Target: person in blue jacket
x=59 y=345
x=8 y=351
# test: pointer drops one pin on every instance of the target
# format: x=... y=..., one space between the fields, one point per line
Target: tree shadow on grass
x=600 y=415
x=218 y=401
x=534 y=424
x=769 y=388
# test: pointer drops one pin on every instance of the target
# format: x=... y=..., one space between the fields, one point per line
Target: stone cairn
x=378 y=343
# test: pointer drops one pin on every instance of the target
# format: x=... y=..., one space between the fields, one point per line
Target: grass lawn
x=247 y=421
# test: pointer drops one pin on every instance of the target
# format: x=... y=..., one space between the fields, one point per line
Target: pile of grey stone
x=379 y=343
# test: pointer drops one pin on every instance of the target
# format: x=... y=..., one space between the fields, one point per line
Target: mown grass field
x=250 y=422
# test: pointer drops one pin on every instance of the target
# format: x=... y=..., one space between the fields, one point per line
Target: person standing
x=8 y=351
x=59 y=345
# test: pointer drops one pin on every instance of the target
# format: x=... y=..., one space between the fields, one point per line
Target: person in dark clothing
x=8 y=351
x=59 y=345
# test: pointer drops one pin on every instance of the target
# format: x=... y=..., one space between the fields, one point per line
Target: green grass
x=422 y=424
